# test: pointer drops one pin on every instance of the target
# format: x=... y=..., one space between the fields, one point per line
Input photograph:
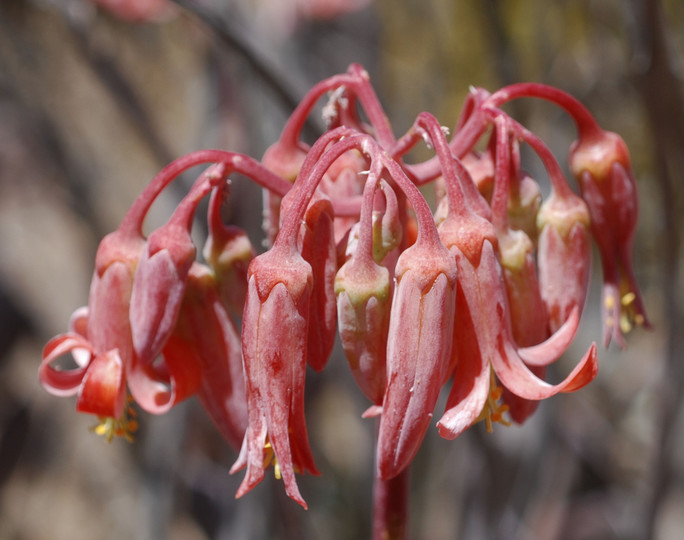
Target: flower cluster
x=479 y=293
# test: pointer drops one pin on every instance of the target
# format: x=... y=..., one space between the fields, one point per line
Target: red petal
x=58 y=382
x=553 y=348
x=157 y=294
x=470 y=387
x=103 y=392
x=418 y=356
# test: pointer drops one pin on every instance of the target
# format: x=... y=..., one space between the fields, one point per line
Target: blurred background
x=93 y=104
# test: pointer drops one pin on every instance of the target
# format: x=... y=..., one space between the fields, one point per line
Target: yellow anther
x=609 y=302
x=123 y=427
x=270 y=457
x=493 y=410
x=625 y=325
x=639 y=319
x=628 y=298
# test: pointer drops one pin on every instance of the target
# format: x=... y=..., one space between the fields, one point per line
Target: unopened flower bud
x=274 y=341
x=418 y=352
x=363 y=305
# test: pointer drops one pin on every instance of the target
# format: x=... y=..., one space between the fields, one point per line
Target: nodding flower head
x=485 y=292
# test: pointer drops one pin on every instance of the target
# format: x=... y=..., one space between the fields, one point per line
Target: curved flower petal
x=157 y=389
x=78 y=324
x=470 y=386
x=103 y=391
x=551 y=349
x=518 y=378
x=62 y=382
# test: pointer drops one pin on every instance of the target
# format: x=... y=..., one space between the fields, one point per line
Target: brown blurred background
x=91 y=107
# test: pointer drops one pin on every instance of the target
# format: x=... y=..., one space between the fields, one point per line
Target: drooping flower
x=205 y=341
x=600 y=161
x=482 y=330
x=320 y=251
x=99 y=337
x=419 y=335
x=162 y=272
x=418 y=351
x=274 y=340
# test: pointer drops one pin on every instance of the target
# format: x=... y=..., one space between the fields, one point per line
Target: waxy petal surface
x=418 y=356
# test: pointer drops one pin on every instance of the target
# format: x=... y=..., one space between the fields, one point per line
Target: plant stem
x=390 y=507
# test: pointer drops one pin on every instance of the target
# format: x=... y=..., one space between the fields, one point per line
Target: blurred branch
x=233 y=38
x=112 y=77
x=661 y=92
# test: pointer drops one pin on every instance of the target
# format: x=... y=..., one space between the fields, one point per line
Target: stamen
x=123 y=427
x=270 y=457
x=625 y=324
x=493 y=410
x=628 y=298
x=609 y=302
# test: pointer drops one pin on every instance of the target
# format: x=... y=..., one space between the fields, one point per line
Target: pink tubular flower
x=100 y=335
x=484 y=311
x=363 y=294
x=205 y=339
x=275 y=335
x=274 y=338
x=419 y=337
x=564 y=256
x=418 y=351
x=363 y=301
x=600 y=161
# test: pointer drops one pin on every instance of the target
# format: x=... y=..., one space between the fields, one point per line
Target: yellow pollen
x=639 y=319
x=625 y=325
x=628 y=298
x=123 y=427
x=609 y=302
x=270 y=457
